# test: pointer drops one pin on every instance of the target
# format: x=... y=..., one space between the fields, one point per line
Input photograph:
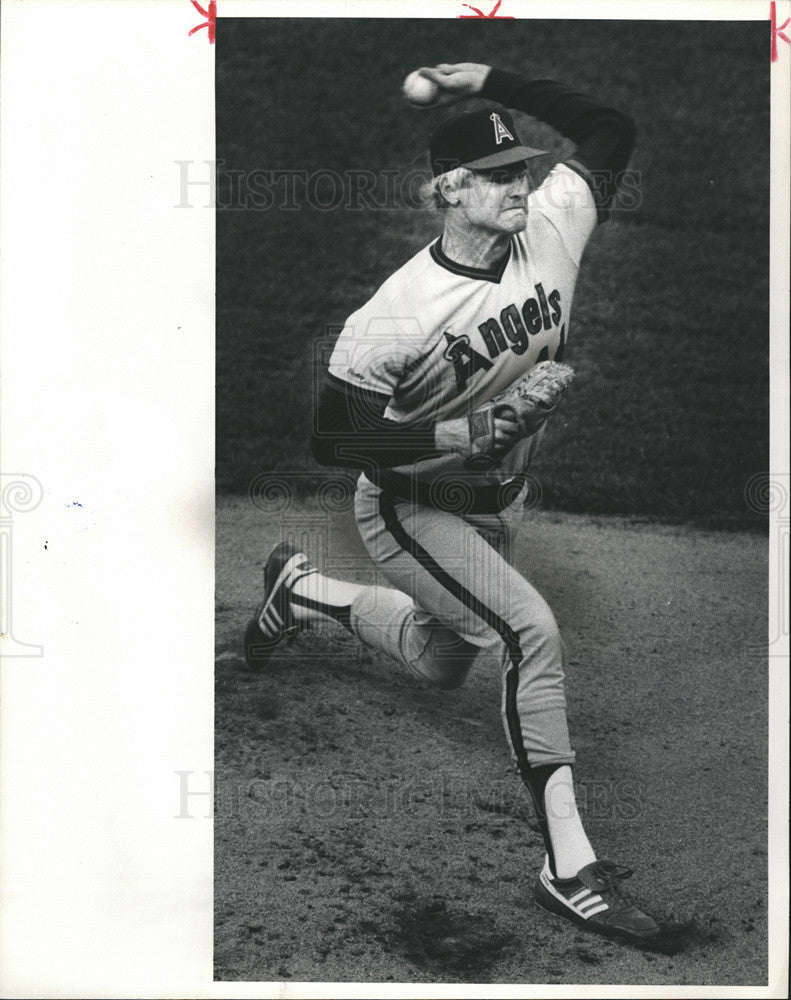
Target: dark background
x=669 y=332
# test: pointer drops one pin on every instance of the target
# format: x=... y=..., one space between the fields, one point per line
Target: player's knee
x=442 y=679
x=446 y=673
x=450 y=681
x=540 y=630
x=548 y=629
x=446 y=660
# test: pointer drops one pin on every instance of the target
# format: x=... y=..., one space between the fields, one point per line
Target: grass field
x=669 y=333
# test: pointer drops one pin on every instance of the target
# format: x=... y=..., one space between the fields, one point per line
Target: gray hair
x=431 y=192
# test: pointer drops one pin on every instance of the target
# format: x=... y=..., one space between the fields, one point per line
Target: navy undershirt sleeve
x=350 y=429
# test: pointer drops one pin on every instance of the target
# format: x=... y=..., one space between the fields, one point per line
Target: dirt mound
x=370 y=829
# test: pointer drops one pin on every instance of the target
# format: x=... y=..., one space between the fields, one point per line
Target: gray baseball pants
x=456 y=594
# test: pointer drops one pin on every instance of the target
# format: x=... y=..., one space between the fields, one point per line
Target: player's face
x=496 y=200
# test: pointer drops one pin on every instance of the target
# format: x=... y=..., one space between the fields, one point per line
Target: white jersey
x=441 y=339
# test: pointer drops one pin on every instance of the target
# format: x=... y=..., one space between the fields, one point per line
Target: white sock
x=570 y=843
x=334 y=595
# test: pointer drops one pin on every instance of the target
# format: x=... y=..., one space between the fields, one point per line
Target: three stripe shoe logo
x=270 y=620
x=584 y=902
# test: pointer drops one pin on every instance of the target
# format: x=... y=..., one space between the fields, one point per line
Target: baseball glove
x=528 y=402
x=535 y=395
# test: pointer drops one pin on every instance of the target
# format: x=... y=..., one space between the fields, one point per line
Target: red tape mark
x=211 y=19
x=777 y=32
x=480 y=13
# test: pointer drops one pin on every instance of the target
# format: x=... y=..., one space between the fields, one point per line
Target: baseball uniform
x=402 y=401
x=438 y=340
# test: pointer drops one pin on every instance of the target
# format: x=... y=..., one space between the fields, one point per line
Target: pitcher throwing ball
x=438 y=390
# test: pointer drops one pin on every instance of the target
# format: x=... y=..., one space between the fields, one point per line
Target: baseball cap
x=479 y=140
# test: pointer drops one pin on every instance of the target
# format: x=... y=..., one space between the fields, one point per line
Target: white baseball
x=418 y=89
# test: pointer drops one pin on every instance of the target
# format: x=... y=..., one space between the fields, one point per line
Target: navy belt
x=453 y=494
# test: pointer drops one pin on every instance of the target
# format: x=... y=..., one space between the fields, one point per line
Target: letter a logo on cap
x=500 y=131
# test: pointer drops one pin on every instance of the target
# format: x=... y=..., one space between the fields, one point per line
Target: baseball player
x=438 y=390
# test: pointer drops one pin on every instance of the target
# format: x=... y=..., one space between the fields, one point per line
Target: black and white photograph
x=394 y=498
x=492 y=501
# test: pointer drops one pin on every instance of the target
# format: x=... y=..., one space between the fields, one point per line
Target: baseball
x=418 y=89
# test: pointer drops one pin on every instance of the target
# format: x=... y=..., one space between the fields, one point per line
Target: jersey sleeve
x=566 y=202
x=375 y=352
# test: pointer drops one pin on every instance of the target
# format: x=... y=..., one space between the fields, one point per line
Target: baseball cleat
x=273 y=621
x=594 y=900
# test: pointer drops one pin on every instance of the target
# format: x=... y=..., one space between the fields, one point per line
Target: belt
x=455 y=495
